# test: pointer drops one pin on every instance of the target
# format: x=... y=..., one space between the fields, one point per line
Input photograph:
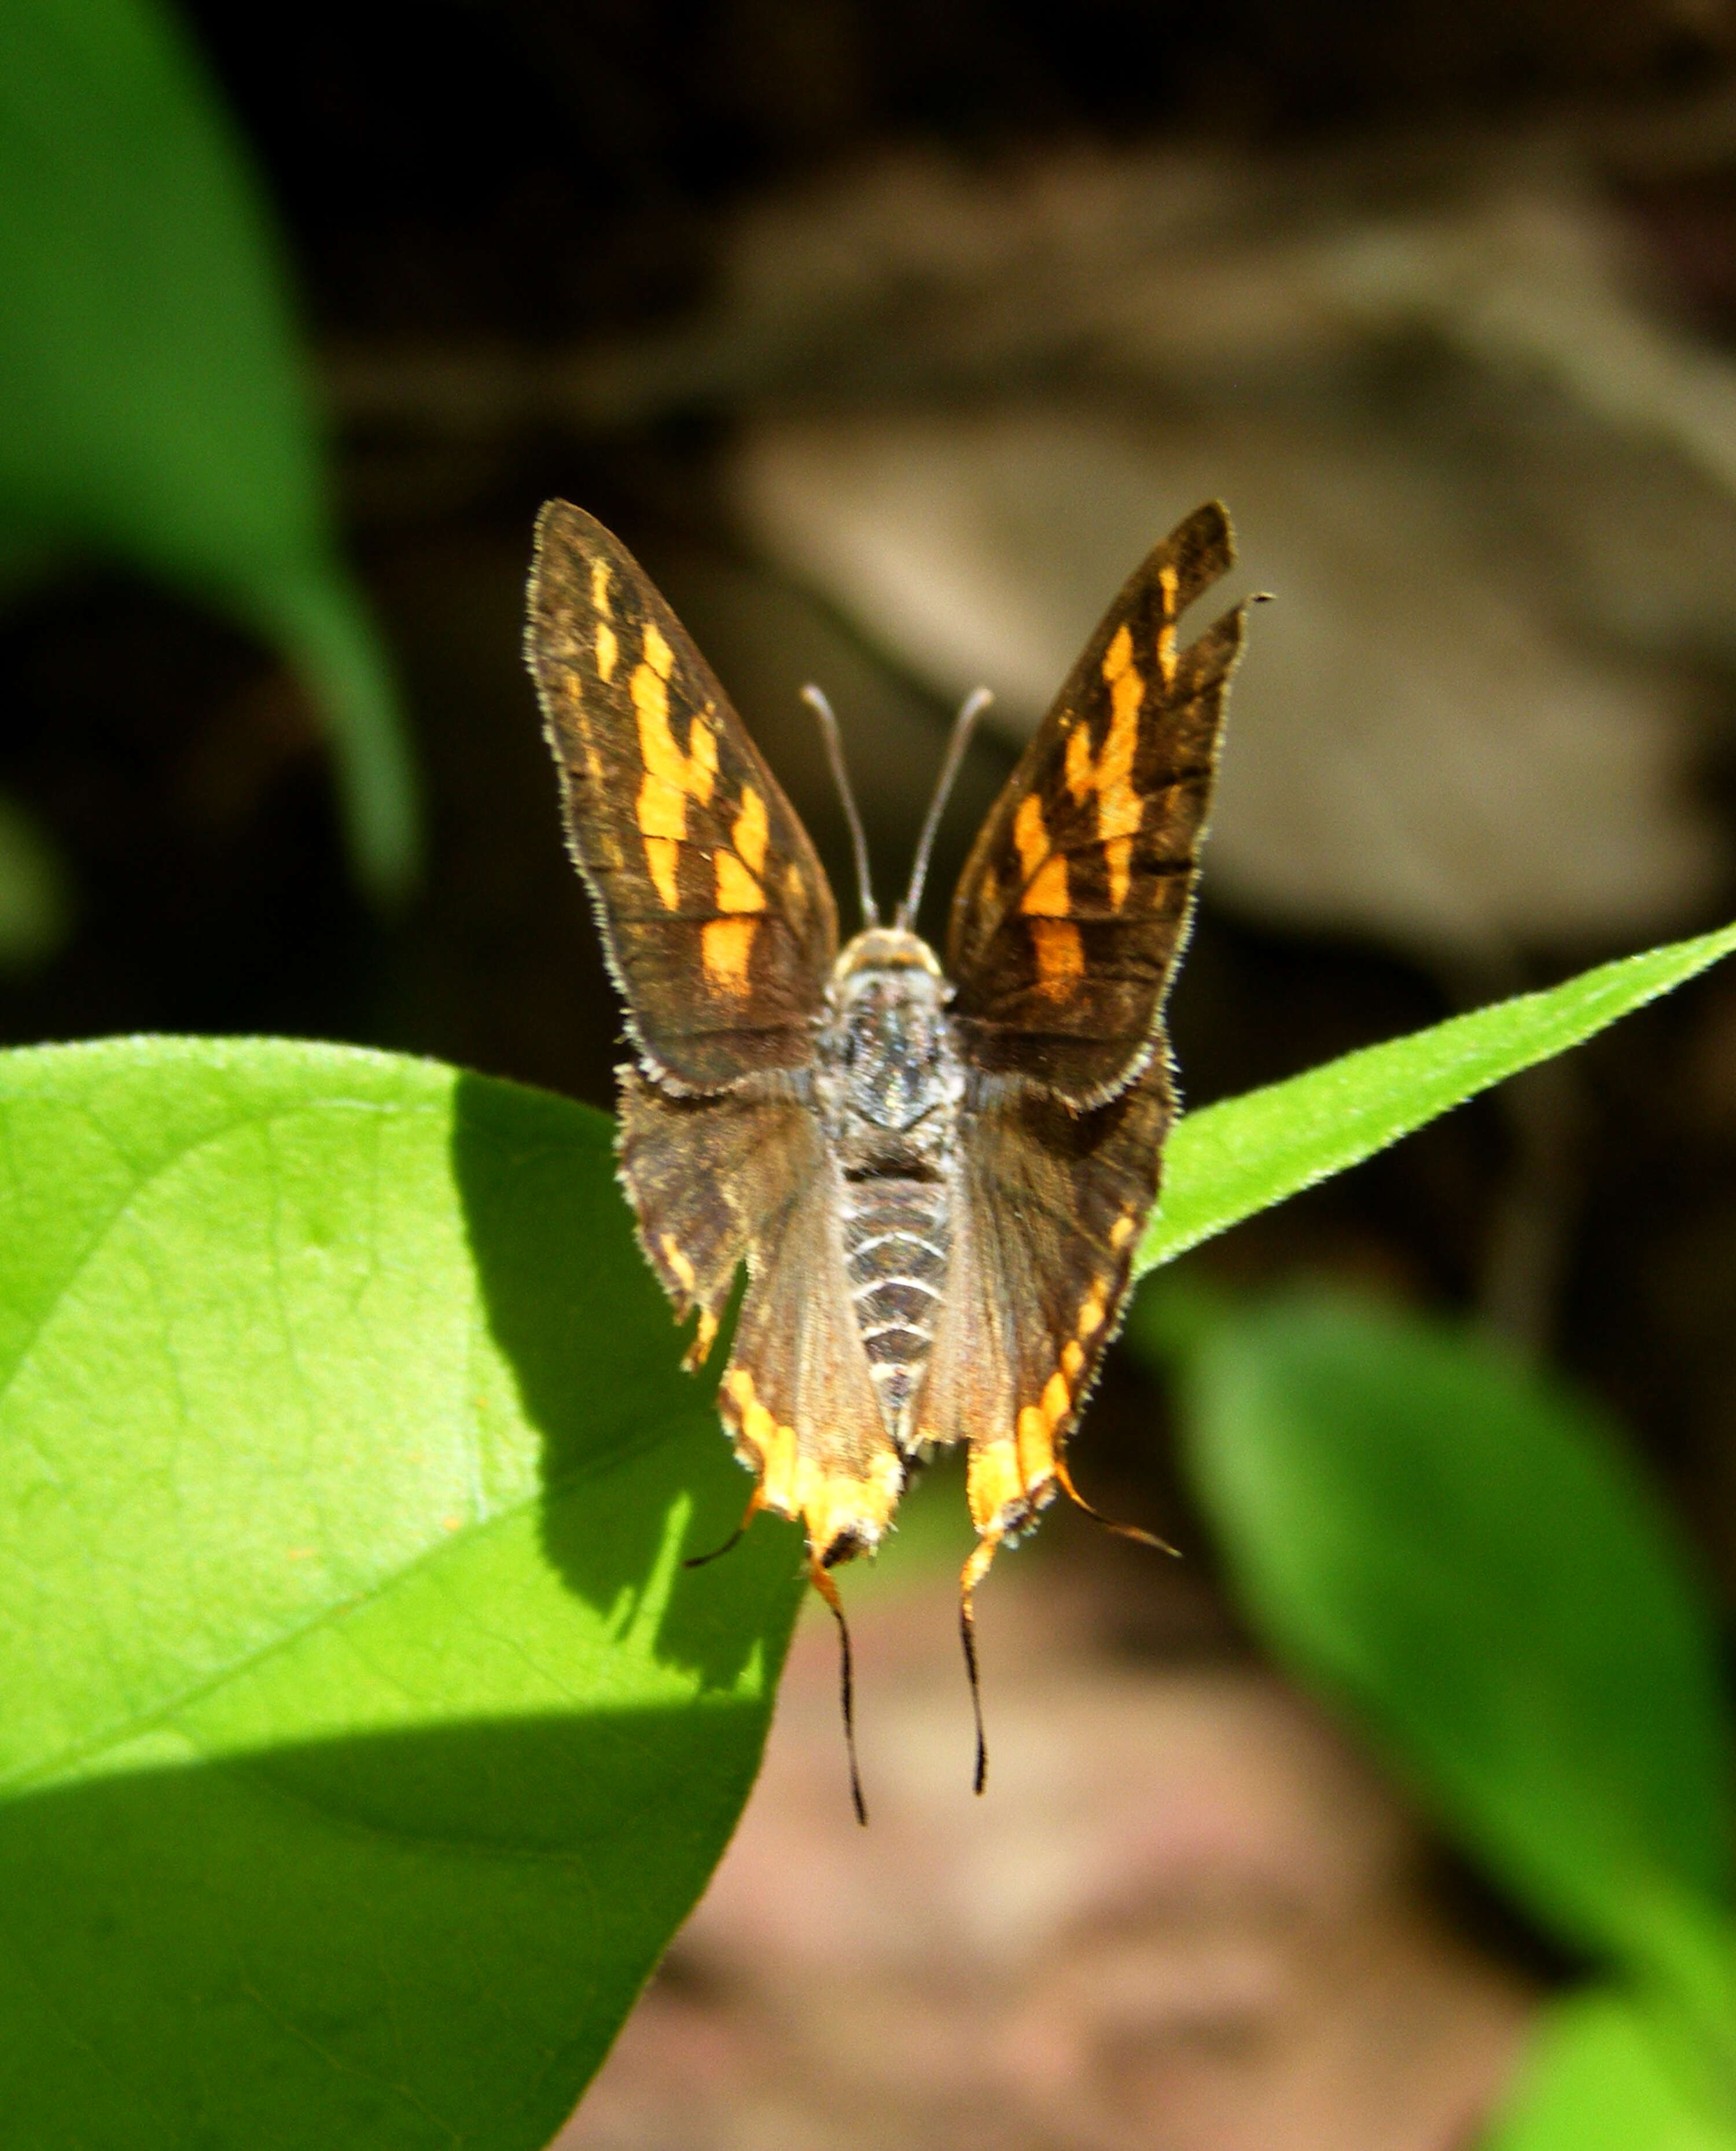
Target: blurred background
x=889 y=337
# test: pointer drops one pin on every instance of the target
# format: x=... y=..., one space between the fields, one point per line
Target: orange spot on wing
x=737 y=889
x=1047 y=896
x=750 y=831
x=599 y=587
x=1009 y=1477
x=831 y=1504
x=725 y=946
x=1168 y=583
x=1118 y=856
x=1060 y=954
x=1108 y=775
x=996 y=1486
x=608 y=649
x=662 y=855
x=1043 y=870
x=673 y=775
x=677 y=1262
x=705 y=1335
x=1030 y=834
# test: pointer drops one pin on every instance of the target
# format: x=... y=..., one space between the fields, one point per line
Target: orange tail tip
x=1009 y=1480
x=844 y=1511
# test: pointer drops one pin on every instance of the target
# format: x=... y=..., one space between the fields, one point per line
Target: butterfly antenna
x=964 y=725
x=822 y=709
x=1121 y=1531
x=735 y=1538
x=828 y=1589
x=975 y=1569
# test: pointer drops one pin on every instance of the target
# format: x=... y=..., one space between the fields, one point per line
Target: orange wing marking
x=608 y=648
x=1055 y=938
x=1109 y=774
x=672 y=776
x=726 y=944
x=1167 y=582
x=834 y=1505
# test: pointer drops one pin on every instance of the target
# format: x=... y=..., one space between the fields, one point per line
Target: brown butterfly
x=936 y=1176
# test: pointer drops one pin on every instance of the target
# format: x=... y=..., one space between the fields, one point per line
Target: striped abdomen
x=897 y=1236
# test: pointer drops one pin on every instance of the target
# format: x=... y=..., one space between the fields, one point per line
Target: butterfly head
x=885 y=1055
x=892 y=949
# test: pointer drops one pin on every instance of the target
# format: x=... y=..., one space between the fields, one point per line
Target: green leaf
x=365 y=1740
x=1230 y=1160
x=151 y=375
x=1460 y=1552
x=1600 y=2076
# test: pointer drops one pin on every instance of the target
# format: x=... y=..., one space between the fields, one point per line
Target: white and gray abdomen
x=890 y=1083
x=897 y=1237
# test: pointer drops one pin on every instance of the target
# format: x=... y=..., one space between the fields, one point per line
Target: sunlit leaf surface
x=365 y=1740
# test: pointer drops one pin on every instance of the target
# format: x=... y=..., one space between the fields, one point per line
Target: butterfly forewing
x=1074 y=903
x=715 y=911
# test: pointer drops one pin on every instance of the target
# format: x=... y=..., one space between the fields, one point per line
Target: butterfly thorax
x=890 y=1081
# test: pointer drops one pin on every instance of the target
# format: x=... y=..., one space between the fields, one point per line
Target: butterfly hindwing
x=743 y=1178
x=1074 y=905
x=1051 y=1206
x=715 y=912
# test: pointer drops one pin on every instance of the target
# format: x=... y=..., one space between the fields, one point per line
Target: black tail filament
x=967 y=1629
x=827 y=1590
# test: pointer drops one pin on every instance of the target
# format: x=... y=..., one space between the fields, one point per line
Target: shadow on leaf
x=575 y=1311
x=402 y=1940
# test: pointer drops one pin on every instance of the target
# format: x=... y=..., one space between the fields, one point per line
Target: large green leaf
x=1231 y=1160
x=1461 y=1552
x=1600 y=2076
x=364 y=1739
x=150 y=376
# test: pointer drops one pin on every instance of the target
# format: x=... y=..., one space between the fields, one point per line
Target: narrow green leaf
x=1600 y=2076
x=1231 y=1160
x=364 y=1740
x=150 y=372
x=1461 y=1553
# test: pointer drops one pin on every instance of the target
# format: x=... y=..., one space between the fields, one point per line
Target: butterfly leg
x=1065 y=1479
x=755 y=1502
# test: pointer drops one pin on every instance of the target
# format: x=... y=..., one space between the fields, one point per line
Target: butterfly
x=936 y=1174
